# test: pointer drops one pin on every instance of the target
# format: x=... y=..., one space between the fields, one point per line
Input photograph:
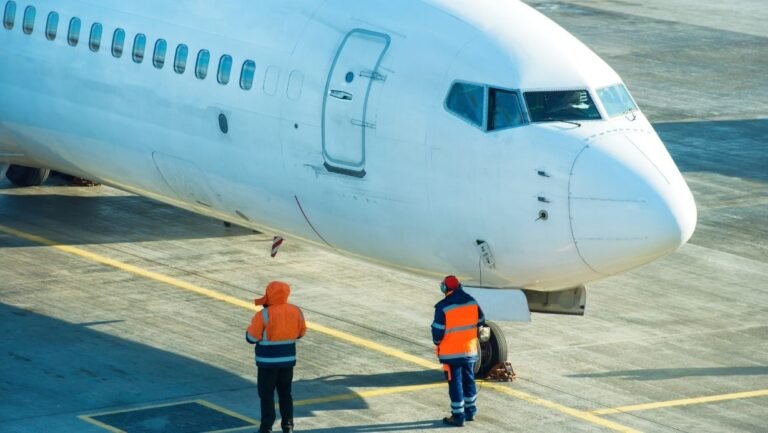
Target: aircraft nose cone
x=629 y=203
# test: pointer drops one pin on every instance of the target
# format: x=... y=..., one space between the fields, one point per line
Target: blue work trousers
x=462 y=389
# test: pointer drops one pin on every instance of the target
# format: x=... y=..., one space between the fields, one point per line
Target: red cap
x=451 y=282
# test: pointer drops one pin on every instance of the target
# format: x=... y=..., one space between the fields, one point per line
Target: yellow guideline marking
x=232 y=430
x=216 y=295
x=88 y=419
x=227 y=411
x=586 y=416
x=365 y=394
x=683 y=402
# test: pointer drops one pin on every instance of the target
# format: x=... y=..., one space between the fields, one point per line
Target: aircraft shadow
x=109 y=219
x=733 y=148
x=677 y=373
x=52 y=367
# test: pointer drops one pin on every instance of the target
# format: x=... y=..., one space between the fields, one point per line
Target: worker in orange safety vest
x=454 y=332
x=274 y=330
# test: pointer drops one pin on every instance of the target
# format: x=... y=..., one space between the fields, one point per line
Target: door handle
x=340 y=94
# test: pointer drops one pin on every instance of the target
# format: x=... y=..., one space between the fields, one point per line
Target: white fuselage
x=372 y=163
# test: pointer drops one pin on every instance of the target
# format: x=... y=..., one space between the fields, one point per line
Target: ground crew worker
x=454 y=332
x=274 y=330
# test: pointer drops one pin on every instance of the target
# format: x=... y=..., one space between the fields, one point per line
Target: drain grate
x=186 y=417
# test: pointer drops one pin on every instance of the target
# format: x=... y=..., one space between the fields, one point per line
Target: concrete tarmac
x=119 y=313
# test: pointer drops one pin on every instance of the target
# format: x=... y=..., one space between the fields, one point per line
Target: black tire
x=27 y=176
x=492 y=351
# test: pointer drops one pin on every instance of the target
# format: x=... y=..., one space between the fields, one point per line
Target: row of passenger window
x=181 y=55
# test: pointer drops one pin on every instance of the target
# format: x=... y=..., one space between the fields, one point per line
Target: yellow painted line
x=375 y=346
x=586 y=416
x=100 y=424
x=90 y=418
x=128 y=268
x=582 y=415
x=682 y=402
x=138 y=408
x=233 y=430
x=227 y=411
x=349 y=338
x=367 y=394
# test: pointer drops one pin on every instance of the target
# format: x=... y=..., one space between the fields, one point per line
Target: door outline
x=329 y=161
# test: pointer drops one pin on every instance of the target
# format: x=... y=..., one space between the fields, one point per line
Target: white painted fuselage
x=344 y=138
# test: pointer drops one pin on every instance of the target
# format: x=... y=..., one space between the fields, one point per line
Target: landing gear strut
x=492 y=351
x=27 y=176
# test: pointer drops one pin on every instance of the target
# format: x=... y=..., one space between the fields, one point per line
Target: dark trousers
x=462 y=389
x=269 y=379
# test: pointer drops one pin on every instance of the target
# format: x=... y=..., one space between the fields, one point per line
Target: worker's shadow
x=351 y=392
x=381 y=380
x=399 y=426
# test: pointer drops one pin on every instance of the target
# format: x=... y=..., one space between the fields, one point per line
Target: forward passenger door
x=345 y=116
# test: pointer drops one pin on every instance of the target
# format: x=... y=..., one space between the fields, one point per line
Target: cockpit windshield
x=503 y=109
x=567 y=105
x=616 y=100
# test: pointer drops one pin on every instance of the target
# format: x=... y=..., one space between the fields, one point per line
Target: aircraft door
x=345 y=119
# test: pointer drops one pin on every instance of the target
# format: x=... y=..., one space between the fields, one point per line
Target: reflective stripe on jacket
x=454 y=329
x=275 y=330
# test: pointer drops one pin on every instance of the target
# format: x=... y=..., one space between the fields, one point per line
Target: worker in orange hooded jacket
x=274 y=330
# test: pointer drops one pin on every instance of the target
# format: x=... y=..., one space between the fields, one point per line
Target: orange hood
x=277 y=293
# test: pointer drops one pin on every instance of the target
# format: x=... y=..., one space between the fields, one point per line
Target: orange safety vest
x=460 y=340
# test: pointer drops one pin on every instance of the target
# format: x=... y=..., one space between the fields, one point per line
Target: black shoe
x=468 y=417
x=288 y=429
x=452 y=420
x=264 y=430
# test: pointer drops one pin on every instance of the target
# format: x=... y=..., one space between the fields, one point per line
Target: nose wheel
x=27 y=176
x=491 y=352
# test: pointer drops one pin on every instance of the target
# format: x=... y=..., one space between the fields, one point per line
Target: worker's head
x=277 y=293
x=449 y=284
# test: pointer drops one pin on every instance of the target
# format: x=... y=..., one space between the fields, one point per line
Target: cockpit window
x=569 y=105
x=503 y=110
x=468 y=102
x=616 y=100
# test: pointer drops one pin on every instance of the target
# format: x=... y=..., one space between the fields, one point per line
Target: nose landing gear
x=492 y=351
x=27 y=176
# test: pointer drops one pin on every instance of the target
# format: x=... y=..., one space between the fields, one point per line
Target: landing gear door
x=345 y=116
x=501 y=304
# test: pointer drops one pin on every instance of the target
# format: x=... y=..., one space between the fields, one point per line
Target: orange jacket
x=276 y=328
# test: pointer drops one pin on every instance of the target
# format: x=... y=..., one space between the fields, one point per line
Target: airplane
x=476 y=138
